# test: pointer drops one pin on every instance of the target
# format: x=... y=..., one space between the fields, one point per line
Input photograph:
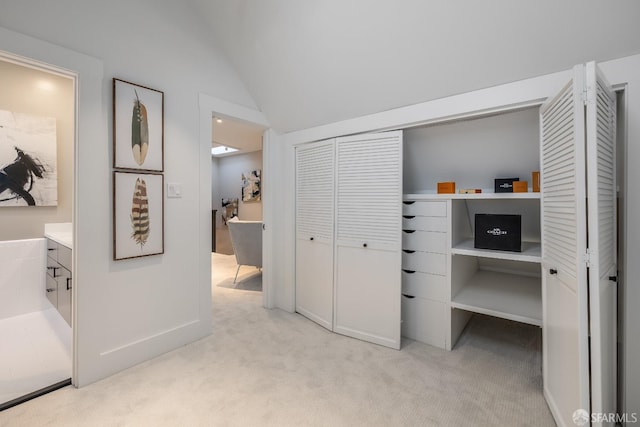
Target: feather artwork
x=140 y=213
x=139 y=131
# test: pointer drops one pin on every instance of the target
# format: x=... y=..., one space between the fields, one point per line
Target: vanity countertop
x=61 y=233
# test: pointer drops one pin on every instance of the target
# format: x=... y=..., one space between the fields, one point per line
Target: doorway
x=236 y=193
x=214 y=112
x=37 y=138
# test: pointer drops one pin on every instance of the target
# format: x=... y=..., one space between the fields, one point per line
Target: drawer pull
x=68 y=283
x=409 y=202
x=409 y=231
x=310 y=238
x=408 y=271
x=408 y=251
x=364 y=245
x=54 y=270
x=51 y=249
x=408 y=296
x=50 y=290
x=553 y=271
x=408 y=216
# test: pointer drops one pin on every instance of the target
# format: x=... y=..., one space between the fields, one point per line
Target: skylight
x=222 y=149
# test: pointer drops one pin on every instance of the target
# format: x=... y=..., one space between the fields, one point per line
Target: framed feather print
x=138 y=127
x=138 y=214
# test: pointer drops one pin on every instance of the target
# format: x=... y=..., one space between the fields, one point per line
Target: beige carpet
x=272 y=368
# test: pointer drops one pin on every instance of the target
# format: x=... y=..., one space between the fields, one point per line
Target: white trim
x=45 y=56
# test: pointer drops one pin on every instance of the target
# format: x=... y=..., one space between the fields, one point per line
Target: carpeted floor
x=271 y=368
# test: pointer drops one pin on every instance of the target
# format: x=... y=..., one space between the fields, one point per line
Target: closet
x=562 y=280
x=348 y=205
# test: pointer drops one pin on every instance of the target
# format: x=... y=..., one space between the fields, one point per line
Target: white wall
x=230 y=170
x=477 y=151
x=129 y=311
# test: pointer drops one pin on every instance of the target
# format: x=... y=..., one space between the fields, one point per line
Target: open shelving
x=508 y=296
x=531 y=252
x=473 y=196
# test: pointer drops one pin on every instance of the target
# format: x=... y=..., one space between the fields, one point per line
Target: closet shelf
x=475 y=196
x=508 y=296
x=531 y=252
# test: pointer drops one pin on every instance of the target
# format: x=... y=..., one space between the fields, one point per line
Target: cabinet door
x=315 y=172
x=368 y=237
x=579 y=256
x=601 y=205
x=564 y=282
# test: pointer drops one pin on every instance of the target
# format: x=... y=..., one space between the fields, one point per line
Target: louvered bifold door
x=315 y=198
x=601 y=205
x=564 y=282
x=368 y=237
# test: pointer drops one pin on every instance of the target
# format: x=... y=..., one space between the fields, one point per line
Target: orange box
x=520 y=186
x=446 y=187
x=535 y=179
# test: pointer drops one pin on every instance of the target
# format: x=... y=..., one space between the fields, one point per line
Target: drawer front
x=52 y=249
x=425 y=208
x=53 y=268
x=425 y=262
x=424 y=223
x=52 y=290
x=425 y=285
x=64 y=257
x=424 y=320
x=427 y=241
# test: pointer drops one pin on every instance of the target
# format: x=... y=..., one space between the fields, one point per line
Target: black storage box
x=498 y=232
x=504 y=185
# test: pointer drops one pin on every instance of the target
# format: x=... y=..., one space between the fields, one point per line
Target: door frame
x=211 y=106
x=73 y=76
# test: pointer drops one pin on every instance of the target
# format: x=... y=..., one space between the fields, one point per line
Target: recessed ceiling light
x=218 y=120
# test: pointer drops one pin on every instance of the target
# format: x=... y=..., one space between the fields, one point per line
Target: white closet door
x=564 y=281
x=315 y=171
x=368 y=237
x=601 y=205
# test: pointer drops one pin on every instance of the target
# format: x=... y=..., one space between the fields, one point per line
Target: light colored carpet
x=272 y=368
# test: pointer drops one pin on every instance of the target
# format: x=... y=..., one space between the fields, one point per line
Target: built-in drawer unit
x=424 y=223
x=425 y=208
x=422 y=320
x=425 y=282
x=425 y=285
x=427 y=241
x=425 y=262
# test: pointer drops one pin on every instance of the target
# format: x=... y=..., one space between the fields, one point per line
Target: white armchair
x=246 y=239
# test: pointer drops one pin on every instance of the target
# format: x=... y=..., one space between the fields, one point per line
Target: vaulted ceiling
x=313 y=62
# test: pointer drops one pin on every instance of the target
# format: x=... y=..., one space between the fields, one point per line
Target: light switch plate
x=174 y=190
